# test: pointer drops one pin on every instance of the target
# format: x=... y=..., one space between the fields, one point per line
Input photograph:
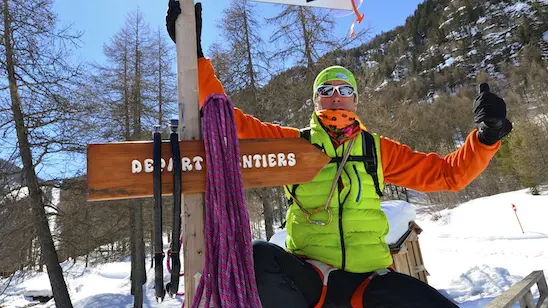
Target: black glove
x=173 y=11
x=490 y=116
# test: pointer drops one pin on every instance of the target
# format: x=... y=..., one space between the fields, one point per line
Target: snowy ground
x=478 y=249
x=474 y=253
x=103 y=286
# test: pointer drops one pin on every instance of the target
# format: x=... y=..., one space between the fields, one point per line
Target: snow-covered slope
x=477 y=250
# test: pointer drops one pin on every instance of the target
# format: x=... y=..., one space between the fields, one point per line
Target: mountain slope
x=463 y=37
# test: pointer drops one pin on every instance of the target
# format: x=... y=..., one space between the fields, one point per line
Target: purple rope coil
x=228 y=278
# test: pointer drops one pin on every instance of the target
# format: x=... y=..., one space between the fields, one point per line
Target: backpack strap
x=370 y=159
x=305 y=133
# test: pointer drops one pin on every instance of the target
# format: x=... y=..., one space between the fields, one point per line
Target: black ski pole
x=173 y=286
x=158 y=245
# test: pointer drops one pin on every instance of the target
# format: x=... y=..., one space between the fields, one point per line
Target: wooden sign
x=124 y=170
x=329 y=4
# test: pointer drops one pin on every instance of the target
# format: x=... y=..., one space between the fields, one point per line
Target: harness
x=350 y=291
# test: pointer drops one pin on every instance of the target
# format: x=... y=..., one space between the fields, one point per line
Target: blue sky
x=101 y=19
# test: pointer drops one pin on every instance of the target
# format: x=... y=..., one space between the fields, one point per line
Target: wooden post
x=189 y=128
x=520 y=292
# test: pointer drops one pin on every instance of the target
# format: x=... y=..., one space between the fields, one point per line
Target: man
x=337 y=255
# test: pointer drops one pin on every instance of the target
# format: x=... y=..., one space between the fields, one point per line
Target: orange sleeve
x=430 y=172
x=207 y=81
x=247 y=126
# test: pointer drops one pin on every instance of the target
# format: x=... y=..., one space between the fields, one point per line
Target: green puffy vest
x=354 y=240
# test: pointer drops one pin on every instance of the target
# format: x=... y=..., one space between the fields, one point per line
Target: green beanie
x=335 y=73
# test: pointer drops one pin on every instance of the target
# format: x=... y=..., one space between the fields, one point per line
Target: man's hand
x=490 y=116
x=173 y=11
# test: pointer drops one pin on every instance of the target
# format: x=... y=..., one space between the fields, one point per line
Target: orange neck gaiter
x=341 y=125
x=336 y=118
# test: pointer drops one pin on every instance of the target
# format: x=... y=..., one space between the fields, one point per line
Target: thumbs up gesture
x=490 y=116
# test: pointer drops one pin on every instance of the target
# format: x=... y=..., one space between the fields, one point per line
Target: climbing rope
x=228 y=278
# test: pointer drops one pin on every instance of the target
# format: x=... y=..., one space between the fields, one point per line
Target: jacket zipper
x=359 y=183
x=341 y=208
x=341 y=232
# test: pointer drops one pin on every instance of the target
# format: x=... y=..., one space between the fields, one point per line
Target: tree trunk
x=126 y=97
x=268 y=212
x=140 y=275
x=152 y=248
x=250 y=72
x=55 y=273
x=306 y=37
x=138 y=252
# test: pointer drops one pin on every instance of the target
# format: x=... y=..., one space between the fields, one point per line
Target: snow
x=545 y=36
x=371 y=64
x=474 y=31
x=98 y=286
x=482 y=242
x=481 y=20
x=448 y=62
x=399 y=214
x=447 y=22
x=37 y=285
x=16 y=194
x=518 y=7
x=473 y=253
x=279 y=238
x=382 y=85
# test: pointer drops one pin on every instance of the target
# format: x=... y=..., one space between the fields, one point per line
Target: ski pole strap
x=157 y=187
x=173 y=286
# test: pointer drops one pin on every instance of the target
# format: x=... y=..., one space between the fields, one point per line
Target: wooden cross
x=124 y=170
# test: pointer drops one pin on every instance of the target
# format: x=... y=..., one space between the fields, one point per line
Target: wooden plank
x=419 y=268
x=189 y=128
x=529 y=300
x=517 y=291
x=400 y=263
x=124 y=170
x=543 y=291
x=410 y=258
x=421 y=273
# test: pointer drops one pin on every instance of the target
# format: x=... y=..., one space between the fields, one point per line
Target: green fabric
x=335 y=73
x=364 y=224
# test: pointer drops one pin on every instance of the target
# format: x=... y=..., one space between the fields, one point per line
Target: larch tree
x=38 y=82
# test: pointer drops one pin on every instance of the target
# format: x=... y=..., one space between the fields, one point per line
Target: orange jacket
x=401 y=165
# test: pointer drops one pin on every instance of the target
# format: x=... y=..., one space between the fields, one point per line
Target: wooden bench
x=521 y=292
